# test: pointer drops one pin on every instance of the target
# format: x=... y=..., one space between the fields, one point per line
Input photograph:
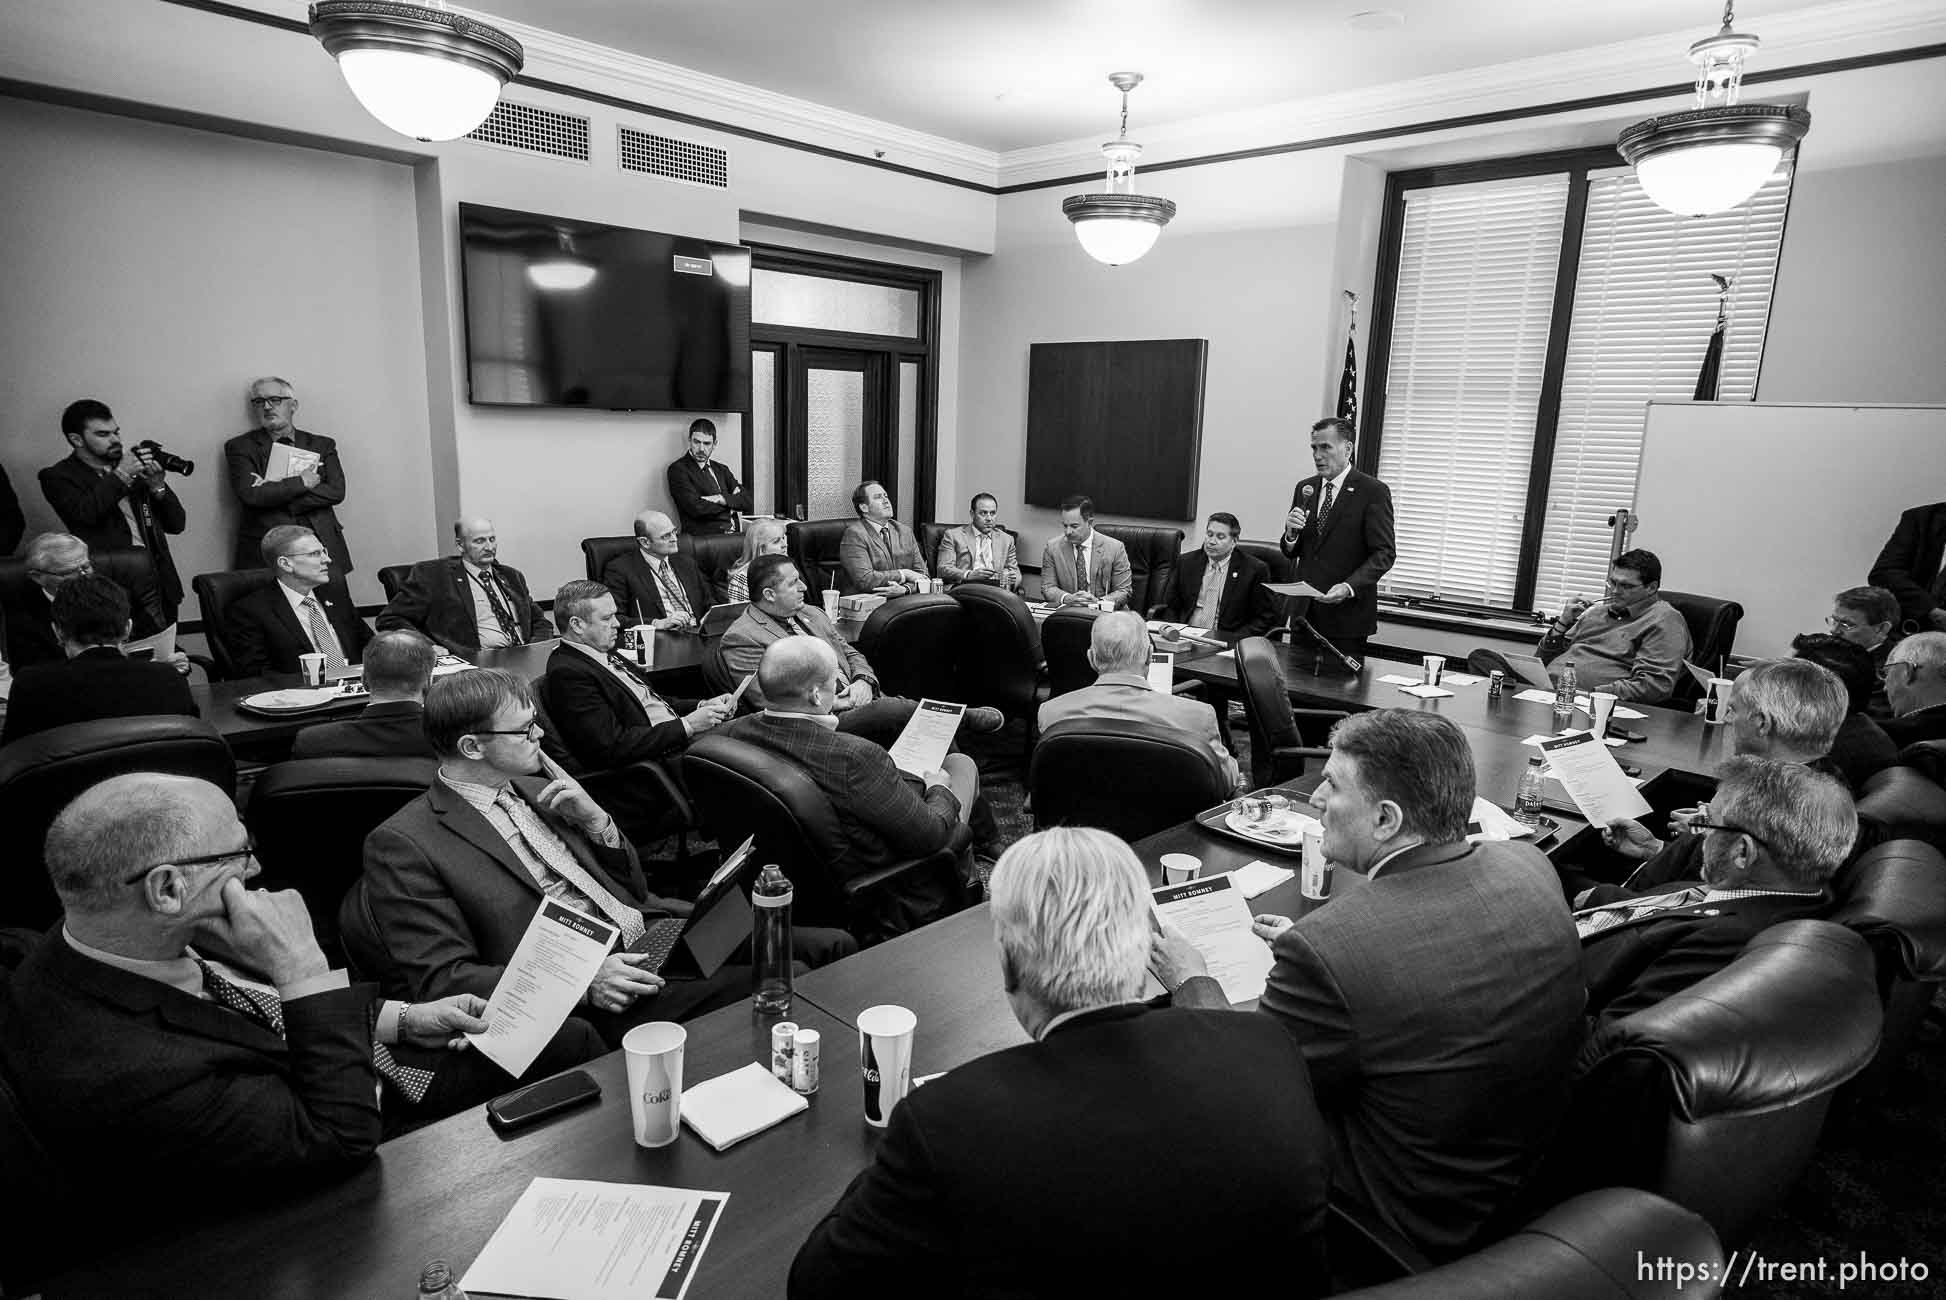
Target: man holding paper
x=1437 y=1000
x=283 y=475
x=1034 y=1170
x=1339 y=531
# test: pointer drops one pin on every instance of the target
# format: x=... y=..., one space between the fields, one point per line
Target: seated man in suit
x=1910 y=566
x=1861 y=747
x=655 y=583
x=1868 y=617
x=778 y=610
x=1023 y=1172
x=1774 y=833
x=877 y=552
x=706 y=494
x=884 y=815
x=468 y=601
x=1082 y=566
x=95 y=681
x=1437 y=998
x=1915 y=683
x=269 y=629
x=398 y=672
x=189 y=1034
x=454 y=877
x=1219 y=588
x=1118 y=651
x=53 y=559
x=979 y=551
x=1631 y=642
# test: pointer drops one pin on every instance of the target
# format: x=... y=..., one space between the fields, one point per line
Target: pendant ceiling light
x=1717 y=154
x=422 y=70
x=1118 y=225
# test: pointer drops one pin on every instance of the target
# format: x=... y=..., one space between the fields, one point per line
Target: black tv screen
x=562 y=312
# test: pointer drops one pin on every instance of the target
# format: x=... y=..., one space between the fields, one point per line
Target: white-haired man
x=1915 y=683
x=1025 y=1171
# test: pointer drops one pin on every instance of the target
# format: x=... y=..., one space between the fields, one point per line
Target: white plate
x=1286 y=829
x=295 y=699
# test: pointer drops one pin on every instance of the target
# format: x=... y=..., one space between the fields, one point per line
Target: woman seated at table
x=762 y=537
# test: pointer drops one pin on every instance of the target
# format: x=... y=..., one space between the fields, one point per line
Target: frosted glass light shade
x=1116 y=240
x=1702 y=179
x=425 y=97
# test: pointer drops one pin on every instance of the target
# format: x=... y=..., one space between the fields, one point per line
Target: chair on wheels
x=40 y=774
x=1000 y=663
x=743 y=790
x=1131 y=778
x=392 y=578
x=1894 y=896
x=1277 y=743
x=1712 y=632
x=913 y=643
x=646 y=801
x=1065 y=637
x=215 y=593
x=310 y=817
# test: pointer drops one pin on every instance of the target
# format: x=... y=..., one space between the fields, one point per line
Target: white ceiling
x=1015 y=74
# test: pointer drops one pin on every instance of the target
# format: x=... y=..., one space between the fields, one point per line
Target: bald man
x=653 y=583
x=468 y=601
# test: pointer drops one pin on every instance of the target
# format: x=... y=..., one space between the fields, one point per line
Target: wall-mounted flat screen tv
x=562 y=312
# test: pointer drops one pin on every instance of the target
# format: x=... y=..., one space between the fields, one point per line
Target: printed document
x=1162 y=671
x=573 y=1239
x=161 y=647
x=1213 y=914
x=1293 y=589
x=1592 y=778
x=287 y=461
x=551 y=969
x=928 y=734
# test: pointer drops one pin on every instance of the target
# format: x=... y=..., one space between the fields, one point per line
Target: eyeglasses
x=1698 y=824
x=533 y=731
x=306 y=555
x=248 y=851
x=270 y=401
x=1837 y=624
x=87 y=567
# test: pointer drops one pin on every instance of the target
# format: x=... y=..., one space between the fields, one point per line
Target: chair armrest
x=1194 y=690
x=642 y=770
x=1300 y=751
x=1364 y=1251
x=867 y=882
x=1336 y=715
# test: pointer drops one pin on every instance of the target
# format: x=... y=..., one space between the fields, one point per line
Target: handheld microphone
x=1308 y=490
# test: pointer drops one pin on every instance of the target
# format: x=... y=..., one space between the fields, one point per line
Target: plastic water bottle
x=770 y=941
x=439 y=1282
x=1527 y=799
x=1564 y=695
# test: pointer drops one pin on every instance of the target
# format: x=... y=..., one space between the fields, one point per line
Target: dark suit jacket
x=1921 y=724
x=97 y=683
x=393 y=729
x=1862 y=748
x=629 y=577
x=1908 y=566
x=265 y=636
x=13 y=524
x=1033 y=1171
x=29 y=622
x=1354 y=546
x=689 y=484
x=451 y=900
x=89 y=504
x=600 y=720
x=177 y=1099
x=1245 y=608
x=1439 y=1006
x=1639 y=963
x=286 y=501
x=437 y=598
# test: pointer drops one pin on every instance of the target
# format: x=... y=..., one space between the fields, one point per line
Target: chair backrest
x=1001 y=654
x=392 y=577
x=1712 y=634
x=929 y=535
x=740 y=790
x=366 y=953
x=914 y=643
x=1895 y=896
x=40 y=774
x=1714 y=1097
x=715 y=555
x=1590 y=1248
x=1282 y=569
x=1906 y=802
x=1152 y=556
x=215 y=593
x=310 y=817
x=814 y=549
x=1266 y=706
x=1926 y=757
x=1131 y=778
x=1065 y=637
x=596 y=552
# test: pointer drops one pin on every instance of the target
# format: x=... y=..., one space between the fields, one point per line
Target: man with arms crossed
x=979 y=551
x=1437 y=997
x=1339 y=531
x=706 y=494
x=305 y=499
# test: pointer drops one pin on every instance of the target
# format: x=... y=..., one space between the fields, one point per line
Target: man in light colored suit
x=1118 y=650
x=1437 y=998
x=980 y=551
x=1082 y=566
x=878 y=553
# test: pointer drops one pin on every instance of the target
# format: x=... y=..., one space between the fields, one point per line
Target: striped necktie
x=1600 y=920
x=322 y=635
x=674 y=599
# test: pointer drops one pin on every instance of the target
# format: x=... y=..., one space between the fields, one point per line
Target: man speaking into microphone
x=1339 y=531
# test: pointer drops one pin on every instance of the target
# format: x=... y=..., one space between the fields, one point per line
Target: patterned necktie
x=555 y=855
x=673 y=597
x=1081 y=567
x=489 y=581
x=1330 y=495
x=259 y=1006
x=797 y=627
x=983 y=556
x=1607 y=918
x=652 y=704
x=322 y=636
x=885 y=537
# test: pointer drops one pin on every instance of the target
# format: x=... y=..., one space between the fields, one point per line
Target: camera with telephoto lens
x=166 y=460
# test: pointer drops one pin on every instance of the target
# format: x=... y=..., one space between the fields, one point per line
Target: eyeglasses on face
x=532 y=731
x=1698 y=825
x=1837 y=624
x=85 y=568
x=271 y=401
x=248 y=851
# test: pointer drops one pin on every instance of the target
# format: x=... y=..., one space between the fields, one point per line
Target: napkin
x=1257 y=877
x=731 y=1107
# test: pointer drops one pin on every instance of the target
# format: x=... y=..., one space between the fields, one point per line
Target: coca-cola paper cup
x=885 y=1055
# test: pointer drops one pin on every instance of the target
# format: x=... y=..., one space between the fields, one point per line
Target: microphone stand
x=1352 y=666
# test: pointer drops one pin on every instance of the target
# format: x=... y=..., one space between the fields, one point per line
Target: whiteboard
x=1777 y=506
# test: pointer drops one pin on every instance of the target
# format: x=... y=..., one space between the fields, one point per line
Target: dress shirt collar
x=478 y=797
x=1337 y=484
x=1057 y=1021
x=1123 y=679
x=829 y=721
x=295 y=599
x=185 y=976
x=1387 y=859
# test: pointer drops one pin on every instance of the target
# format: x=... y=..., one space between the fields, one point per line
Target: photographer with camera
x=108 y=497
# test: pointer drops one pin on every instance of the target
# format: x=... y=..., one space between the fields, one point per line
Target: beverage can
x=804 y=1065
x=1496 y=682
x=783 y=1048
x=1315 y=879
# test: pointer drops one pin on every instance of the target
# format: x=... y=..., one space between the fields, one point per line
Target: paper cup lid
x=887 y=1019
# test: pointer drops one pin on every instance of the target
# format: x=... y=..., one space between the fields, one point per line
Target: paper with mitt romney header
x=553 y=966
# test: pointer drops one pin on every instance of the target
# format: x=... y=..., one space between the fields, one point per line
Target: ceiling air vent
x=535 y=130
x=676 y=160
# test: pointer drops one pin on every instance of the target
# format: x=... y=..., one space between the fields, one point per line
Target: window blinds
x=1644 y=308
x=1477 y=265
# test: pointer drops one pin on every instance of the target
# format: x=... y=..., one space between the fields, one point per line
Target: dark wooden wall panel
x=1121 y=422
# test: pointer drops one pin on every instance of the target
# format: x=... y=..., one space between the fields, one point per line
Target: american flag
x=1348 y=383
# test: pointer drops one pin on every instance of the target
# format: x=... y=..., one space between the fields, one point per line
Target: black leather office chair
x=715 y=555
x=742 y=790
x=1152 y=556
x=1715 y=1097
x=131 y=568
x=913 y=643
x=1278 y=747
x=645 y=798
x=36 y=1186
x=1065 y=637
x=1588 y=1248
x=310 y=817
x=1131 y=778
x=215 y=593
x=596 y=552
x=1894 y=896
x=40 y=774
x=1907 y=802
x=1712 y=633
x=929 y=535
x=814 y=548
x=366 y=954
x=1000 y=664
x=1926 y=757
x=1282 y=569
x=392 y=577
